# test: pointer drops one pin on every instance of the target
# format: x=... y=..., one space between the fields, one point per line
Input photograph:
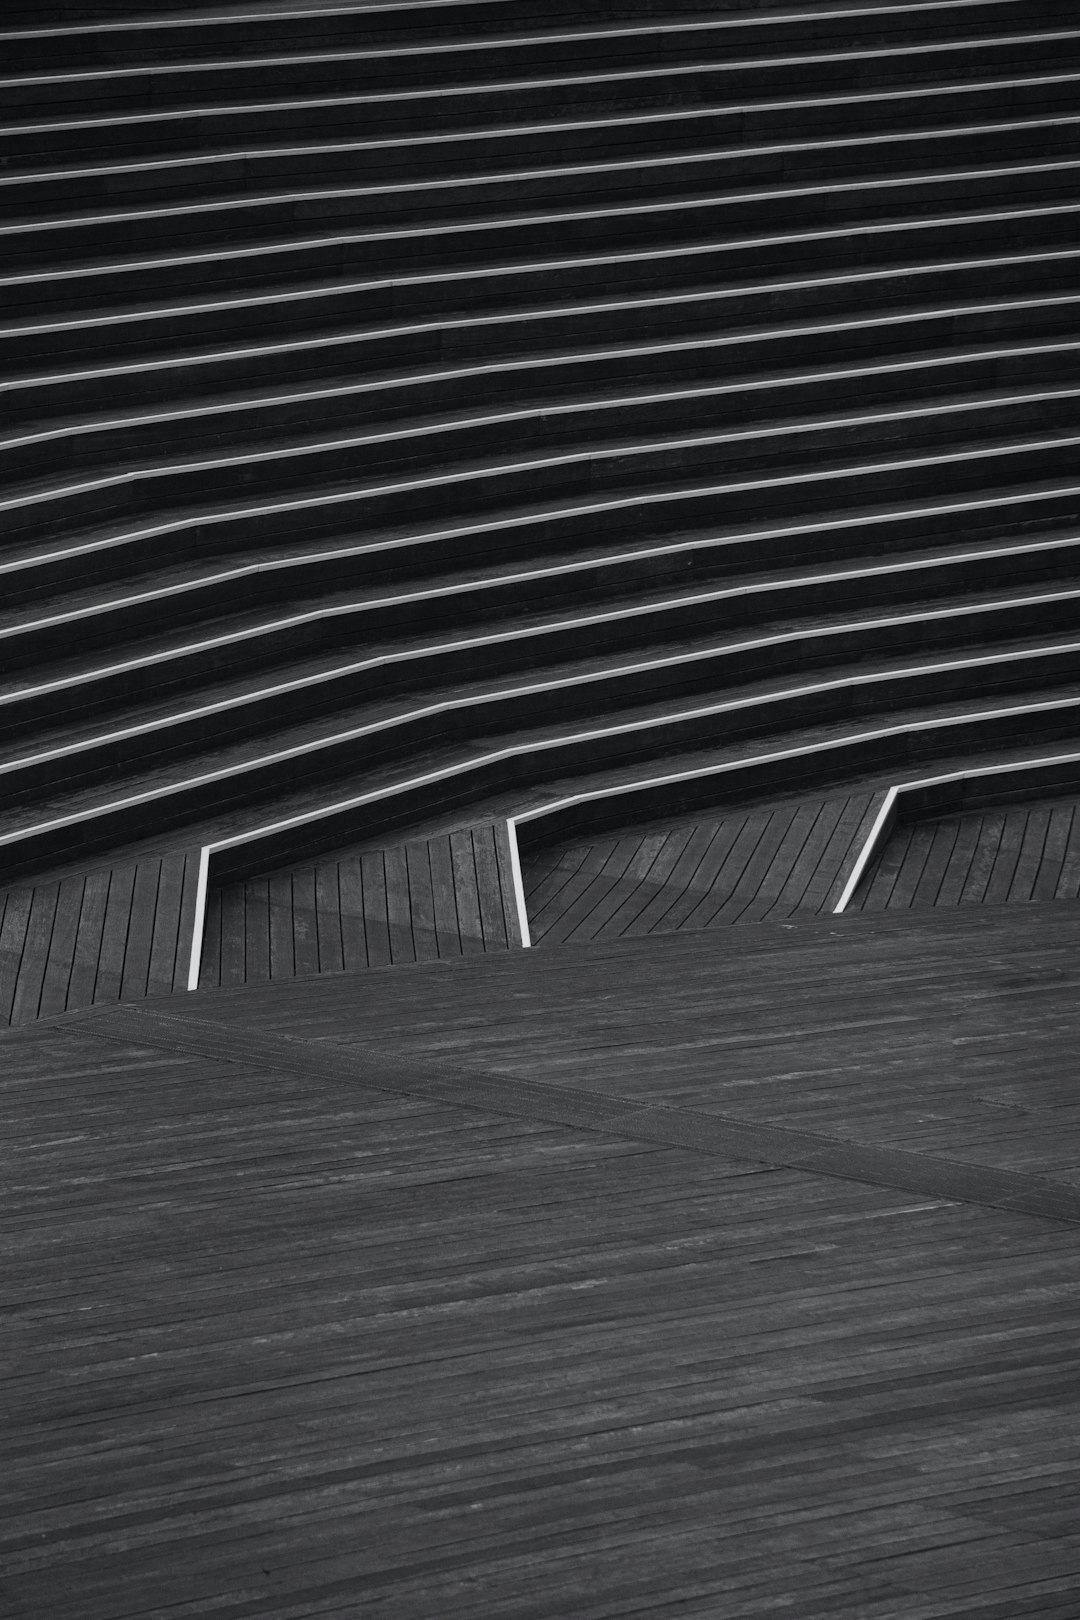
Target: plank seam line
x=542 y=1103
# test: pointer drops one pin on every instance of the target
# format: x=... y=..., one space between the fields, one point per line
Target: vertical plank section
x=140 y=940
x=1031 y=854
x=913 y=865
x=35 y=953
x=1057 y=843
x=1008 y=858
x=54 y=990
x=823 y=896
x=376 y=922
x=210 y=965
x=991 y=828
x=328 y=919
x=282 y=940
x=662 y=911
x=114 y=935
x=963 y=853
x=466 y=893
x=233 y=934
x=351 y=901
x=722 y=870
x=16 y=904
x=186 y=930
x=422 y=902
x=622 y=919
x=84 y=968
x=1068 y=884
x=938 y=862
x=305 y=928
x=165 y=943
x=447 y=931
x=489 y=888
x=398 y=908
x=818 y=860
x=875 y=890
x=257 y=931
x=504 y=861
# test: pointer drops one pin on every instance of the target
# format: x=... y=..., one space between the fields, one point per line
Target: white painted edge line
x=290 y=13
x=198 y=926
x=882 y=823
x=887 y=814
x=519 y=885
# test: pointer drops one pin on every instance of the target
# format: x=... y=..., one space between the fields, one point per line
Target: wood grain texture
x=115 y=934
x=422 y=901
x=374 y=1355
x=1014 y=854
x=748 y=865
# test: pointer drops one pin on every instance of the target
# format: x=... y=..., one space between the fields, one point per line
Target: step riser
x=195 y=229
x=718 y=367
x=190 y=41
x=891 y=237
x=257 y=787
x=531 y=333
x=414 y=153
x=440 y=91
x=585 y=702
x=474 y=490
x=656 y=518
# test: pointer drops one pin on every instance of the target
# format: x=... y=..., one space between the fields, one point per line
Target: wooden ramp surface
x=1019 y=853
x=283 y=1345
x=746 y=866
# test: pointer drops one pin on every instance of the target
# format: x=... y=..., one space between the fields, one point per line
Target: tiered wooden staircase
x=419 y=415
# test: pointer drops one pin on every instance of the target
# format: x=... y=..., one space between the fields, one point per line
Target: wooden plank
x=421 y=901
x=574 y=920
x=779 y=870
x=623 y=919
x=282 y=935
x=442 y=889
x=806 y=865
x=210 y=963
x=165 y=943
x=747 y=885
x=911 y=869
x=559 y=899
x=465 y=893
x=505 y=863
x=186 y=930
x=968 y=838
x=376 y=921
x=328 y=919
x=140 y=940
x=542 y=892
x=257 y=931
x=65 y=935
x=1068 y=885
x=722 y=876
x=855 y=826
x=84 y=967
x=1057 y=843
x=489 y=888
x=114 y=934
x=233 y=901
x=16 y=920
x=693 y=872
x=35 y=954
x=1031 y=854
x=634 y=887
x=938 y=860
x=305 y=928
x=991 y=829
x=876 y=888
x=351 y=897
x=399 y=905
x=1008 y=858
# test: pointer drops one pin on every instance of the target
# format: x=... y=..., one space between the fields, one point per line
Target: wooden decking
x=747 y=866
x=1013 y=854
x=284 y=1344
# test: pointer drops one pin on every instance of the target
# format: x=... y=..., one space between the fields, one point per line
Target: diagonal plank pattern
x=541 y=1102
